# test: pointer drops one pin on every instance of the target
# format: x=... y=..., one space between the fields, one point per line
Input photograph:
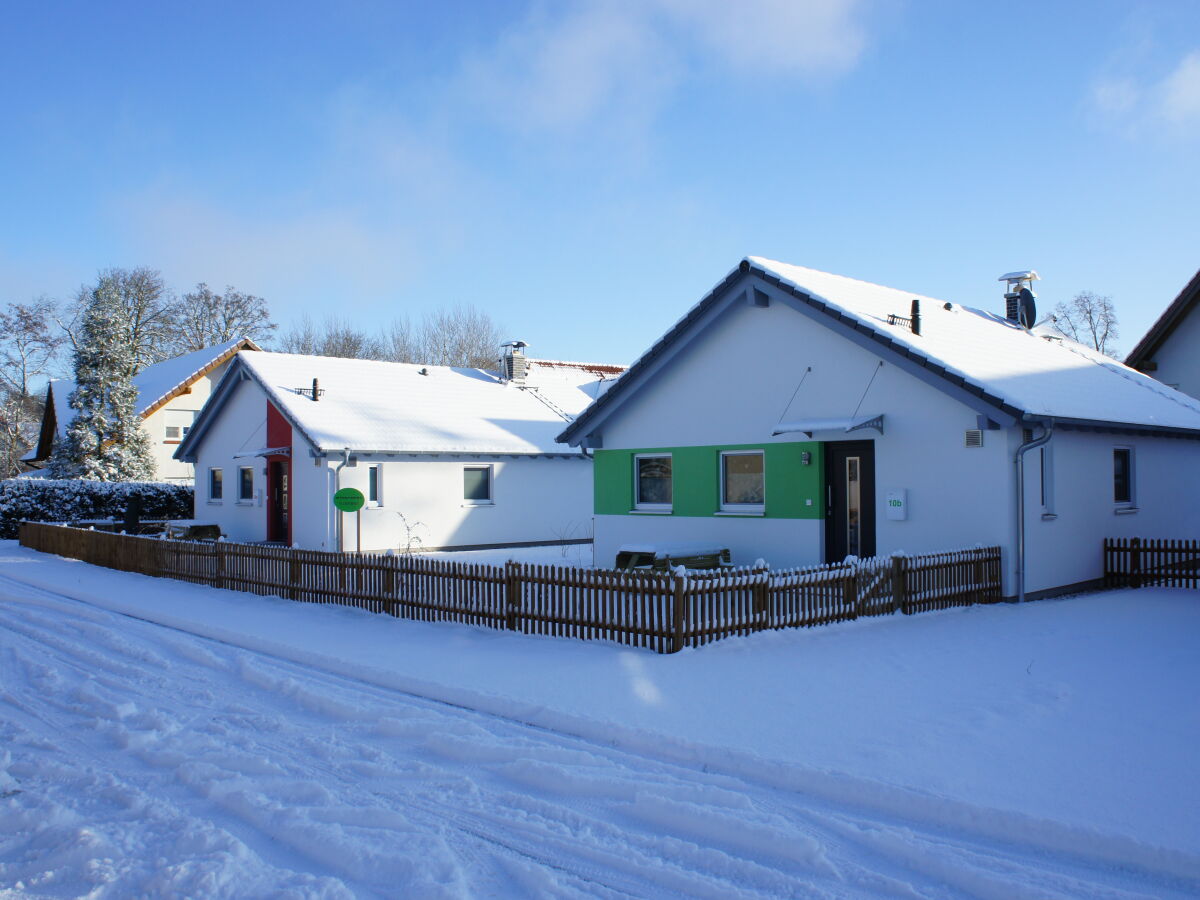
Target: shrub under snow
x=49 y=500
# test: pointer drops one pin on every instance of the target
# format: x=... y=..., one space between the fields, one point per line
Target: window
x=477 y=485
x=216 y=486
x=653 y=482
x=1123 y=476
x=246 y=483
x=176 y=424
x=742 y=481
x=373 y=491
x=1046 y=458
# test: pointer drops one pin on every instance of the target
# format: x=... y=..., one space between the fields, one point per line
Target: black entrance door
x=850 y=500
x=277 y=511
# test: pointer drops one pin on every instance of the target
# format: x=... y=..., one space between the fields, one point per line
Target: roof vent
x=1019 y=305
x=314 y=392
x=513 y=363
x=973 y=437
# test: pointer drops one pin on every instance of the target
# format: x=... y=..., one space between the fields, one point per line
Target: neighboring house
x=1170 y=351
x=170 y=395
x=446 y=457
x=801 y=417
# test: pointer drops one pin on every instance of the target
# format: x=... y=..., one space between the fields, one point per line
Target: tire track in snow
x=470 y=744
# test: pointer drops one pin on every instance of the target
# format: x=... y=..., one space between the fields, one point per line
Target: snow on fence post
x=512 y=594
x=219 y=547
x=1135 y=563
x=850 y=590
x=679 y=584
x=760 y=593
x=900 y=583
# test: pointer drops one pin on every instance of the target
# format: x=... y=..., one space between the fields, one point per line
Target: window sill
x=1049 y=517
x=481 y=504
x=650 y=512
x=1125 y=510
x=244 y=503
x=216 y=502
x=172 y=442
x=749 y=513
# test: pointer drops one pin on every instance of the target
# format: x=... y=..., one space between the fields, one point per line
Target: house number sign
x=349 y=500
x=897 y=505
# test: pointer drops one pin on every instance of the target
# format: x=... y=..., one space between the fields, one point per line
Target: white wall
x=733 y=389
x=1178 y=358
x=166 y=467
x=1068 y=549
x=240 y=428
x=534 y=500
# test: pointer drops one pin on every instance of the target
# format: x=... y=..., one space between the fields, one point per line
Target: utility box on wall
x=896 y=505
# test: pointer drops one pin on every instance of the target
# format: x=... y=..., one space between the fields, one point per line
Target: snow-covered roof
x=1025 y=373
x=158 y=383
x=384 y=407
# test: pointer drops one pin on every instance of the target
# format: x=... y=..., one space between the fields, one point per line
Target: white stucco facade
x=534 y=499
x=1178 y=357
x=754 y=366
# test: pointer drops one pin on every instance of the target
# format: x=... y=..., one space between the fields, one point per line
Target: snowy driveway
x=144 y=760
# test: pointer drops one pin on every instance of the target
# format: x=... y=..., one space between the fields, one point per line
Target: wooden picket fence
x=661 y=611
x=1143 y=562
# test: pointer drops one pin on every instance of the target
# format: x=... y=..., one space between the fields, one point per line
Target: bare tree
x=203 y=318
x=462 y=336
x=333 y=337
x=148 y=308
x=28 y=346
x=1089 y=319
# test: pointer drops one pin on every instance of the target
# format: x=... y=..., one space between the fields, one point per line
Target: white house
x=1170 y=351
x=801 y=417
x=170 y=395
x=445 y=457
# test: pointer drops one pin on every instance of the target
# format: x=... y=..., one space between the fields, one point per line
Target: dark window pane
x=373 y=484
x=215 y=484
x=477 y=483
x=1121 y=479
x=743 y=478
x=246 y=483
x=654 y=480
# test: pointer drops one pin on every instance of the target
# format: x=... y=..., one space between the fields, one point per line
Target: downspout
x=1019 y=462
x=337 y=486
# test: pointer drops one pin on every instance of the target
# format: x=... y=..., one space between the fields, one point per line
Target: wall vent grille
x=973 y=438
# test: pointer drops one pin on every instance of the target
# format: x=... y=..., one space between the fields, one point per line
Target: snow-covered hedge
x=48 y=500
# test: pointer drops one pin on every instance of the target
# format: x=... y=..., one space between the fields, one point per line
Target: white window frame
x=491 y=483
x=745 y=509
x=176 y=437
x=214 y=482
x=1130 y=505
x=1046 y=479
x=240 y=497
x=638 y=505
x=377 y=500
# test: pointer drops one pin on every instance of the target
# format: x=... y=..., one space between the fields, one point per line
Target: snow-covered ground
x=168 y=740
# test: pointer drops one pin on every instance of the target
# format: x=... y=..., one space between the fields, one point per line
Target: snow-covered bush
x=49 y=500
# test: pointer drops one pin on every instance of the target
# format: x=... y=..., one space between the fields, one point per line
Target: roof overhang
x=1166 y=325
x=767 y=286
x=810 y=427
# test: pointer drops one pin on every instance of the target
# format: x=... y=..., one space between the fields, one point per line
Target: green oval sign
x=349 y=499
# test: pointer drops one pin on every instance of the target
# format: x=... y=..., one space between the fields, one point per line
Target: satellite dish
x=1026 y=308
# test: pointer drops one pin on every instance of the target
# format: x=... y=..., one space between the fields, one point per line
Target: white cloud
x=606 y=63
x=600 y=60
x=1179 y=94
x=1139 y=104
x=810 y=38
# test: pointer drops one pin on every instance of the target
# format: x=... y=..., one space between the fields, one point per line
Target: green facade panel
x=696 y=479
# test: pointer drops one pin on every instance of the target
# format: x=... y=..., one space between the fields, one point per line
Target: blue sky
x=586 y=171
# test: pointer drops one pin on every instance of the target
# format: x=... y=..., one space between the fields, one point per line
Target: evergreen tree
x=105 y=440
